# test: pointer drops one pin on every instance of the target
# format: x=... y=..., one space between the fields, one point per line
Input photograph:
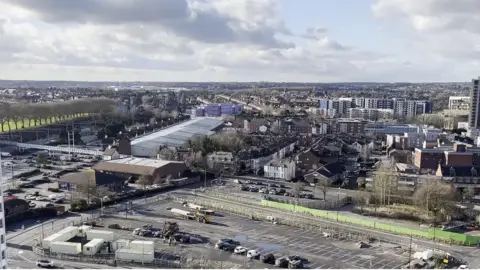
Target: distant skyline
x=240 y=40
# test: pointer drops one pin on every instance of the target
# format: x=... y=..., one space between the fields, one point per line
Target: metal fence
x=318 y=204
x=330 y=230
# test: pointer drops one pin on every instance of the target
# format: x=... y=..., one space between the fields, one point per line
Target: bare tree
x=167 y=154
x=323 y=184
x=298 y=189
x=145 y=180
x=384 y=183
x=435 y=196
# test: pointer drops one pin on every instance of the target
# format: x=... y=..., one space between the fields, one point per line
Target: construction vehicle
x=200 y=217
x=199 y=208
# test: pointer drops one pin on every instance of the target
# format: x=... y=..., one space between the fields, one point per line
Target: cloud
x=186 y=40
x=448 y=29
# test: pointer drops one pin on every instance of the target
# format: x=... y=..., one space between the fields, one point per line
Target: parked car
x=259 y=183
x=45 y=263
x=240 y=250
x=282 y=186
x=30 y=197
x=272 y=192
x=6 y=194
x=248 y=182
x=273 y=185
x=225 y=246
x=229 y=241
x=41 y=198
x=244 y=188
x=281 y=191
x=309 y=196
x=32 y=204
x=48 y=205
x=114 y=226
x=262 y=190
x=26 y=185
x=281 y=262
x=268 y=258
x=253 y=253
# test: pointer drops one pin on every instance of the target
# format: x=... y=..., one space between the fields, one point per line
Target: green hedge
x=439 y=235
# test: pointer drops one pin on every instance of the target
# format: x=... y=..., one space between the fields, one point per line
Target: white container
x=180 y=212
x=194 y=206
x=105 y=235
x=130 y=255
x=145 y=246
x=68 y=233
x=82 y=230
x=66 y=248
x=120 y=243
x=47 y=242
x=92 y=247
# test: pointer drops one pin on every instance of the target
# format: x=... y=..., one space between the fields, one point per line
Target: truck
x=200 y=217
x=199 y=208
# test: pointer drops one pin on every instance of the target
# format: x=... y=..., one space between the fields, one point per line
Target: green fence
x=433 y=234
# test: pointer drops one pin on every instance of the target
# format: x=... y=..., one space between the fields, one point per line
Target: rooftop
x=178 y=134
x=153 y=163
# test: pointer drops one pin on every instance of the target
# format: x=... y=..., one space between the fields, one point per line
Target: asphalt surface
x=280 y=240
x=323 y=253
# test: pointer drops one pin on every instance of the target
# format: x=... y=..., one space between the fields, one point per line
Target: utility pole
x=410 y=253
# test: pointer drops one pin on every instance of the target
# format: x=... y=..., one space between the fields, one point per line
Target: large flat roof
x=175 y=135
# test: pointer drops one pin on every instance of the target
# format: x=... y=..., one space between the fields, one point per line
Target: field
x=31 y=123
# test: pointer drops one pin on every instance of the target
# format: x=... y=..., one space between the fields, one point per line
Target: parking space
x=267 y=238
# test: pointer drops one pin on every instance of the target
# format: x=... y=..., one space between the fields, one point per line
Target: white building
x=459 y=103
x=280 y=170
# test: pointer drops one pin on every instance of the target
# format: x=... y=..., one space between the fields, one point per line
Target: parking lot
x=279 y=240
x=308 y=191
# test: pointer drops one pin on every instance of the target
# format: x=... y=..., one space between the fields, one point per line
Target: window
x=2 y=239
x=3 y=254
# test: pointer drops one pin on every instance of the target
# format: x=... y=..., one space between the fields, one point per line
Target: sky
x=240 y=40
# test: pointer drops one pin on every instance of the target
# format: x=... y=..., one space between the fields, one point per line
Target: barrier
x=431 y=234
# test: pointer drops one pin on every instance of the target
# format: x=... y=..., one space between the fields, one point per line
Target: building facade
x=460 y=103
x=473 y=117
x=280 y=170
x=3 y=234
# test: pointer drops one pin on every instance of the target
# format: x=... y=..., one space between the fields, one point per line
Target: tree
x=145 y=180
x=435 y=196
x=323 y=184
x=468 y=193
x=297 y=189
x=167 y=154
x=384 y=183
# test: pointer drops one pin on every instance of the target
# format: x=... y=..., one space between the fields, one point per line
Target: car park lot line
x=266 y=237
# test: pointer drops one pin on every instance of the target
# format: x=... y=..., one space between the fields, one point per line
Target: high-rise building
x=3 y=234
x=459 y=103
x=473 y=117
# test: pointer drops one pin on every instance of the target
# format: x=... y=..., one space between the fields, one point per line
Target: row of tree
x=21 y=115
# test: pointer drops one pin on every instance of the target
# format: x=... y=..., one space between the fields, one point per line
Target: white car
x=30 y=197
x=463 y=266
x=253 y=253
x=45 y=264
x=240 y=250
x=41 y=198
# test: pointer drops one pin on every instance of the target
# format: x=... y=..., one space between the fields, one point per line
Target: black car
x=225 y=246
x=259 y=183
x=282 y=186
x=274 y=185
x=268 y=258
x=281 y=262
x=309 y=196
x=229 y=241
x=244 y=188
x=26 y=185
x=281 y=191
x=114 y=226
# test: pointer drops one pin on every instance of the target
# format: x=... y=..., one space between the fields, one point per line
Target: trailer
x=66 y=248
x=47 y=242
x=145 y=246
x=82 y=230
x=105 y=235
x=92 y=247
x=120 y=243
x=131 y=255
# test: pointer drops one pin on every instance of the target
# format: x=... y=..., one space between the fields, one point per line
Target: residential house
x=222 y=162
x=335 y=172
x=363 y=147
x=110 y=154
x=280 y=170
x=460 y=176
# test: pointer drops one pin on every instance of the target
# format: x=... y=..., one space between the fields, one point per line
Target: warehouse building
x=148 y=146
x=159 y=170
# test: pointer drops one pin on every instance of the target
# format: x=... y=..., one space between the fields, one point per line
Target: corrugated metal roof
x=132 y=165
x=174 y=136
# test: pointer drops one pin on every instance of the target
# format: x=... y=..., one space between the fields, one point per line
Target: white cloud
x=204 y=40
